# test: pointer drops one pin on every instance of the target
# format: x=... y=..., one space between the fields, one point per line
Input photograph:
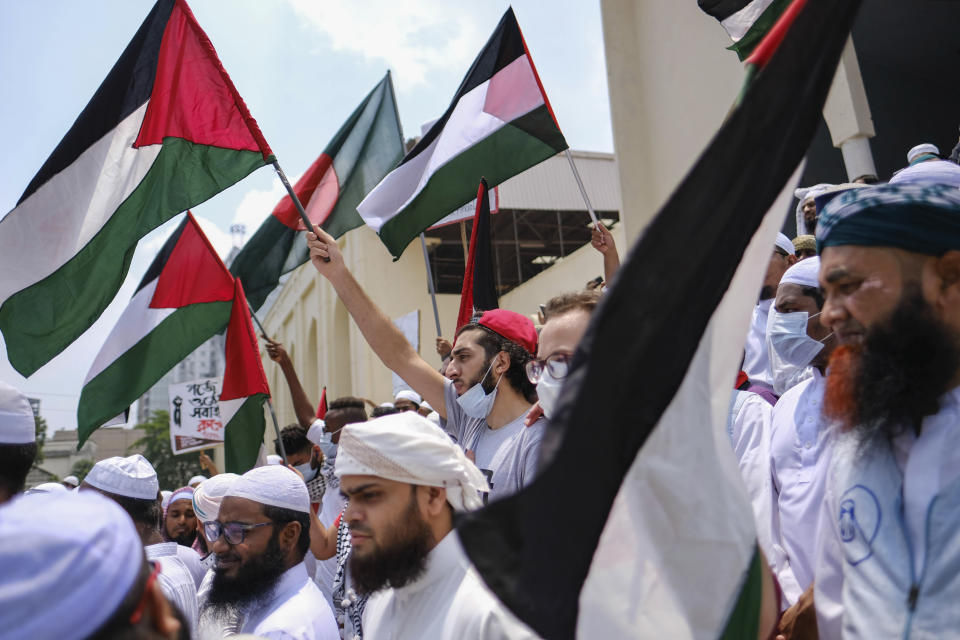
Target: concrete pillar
x=847 y=113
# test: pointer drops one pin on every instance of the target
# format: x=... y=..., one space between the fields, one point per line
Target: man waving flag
x=165 y=131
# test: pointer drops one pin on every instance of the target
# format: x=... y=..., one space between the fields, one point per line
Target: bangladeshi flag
x=498 y=124
x=365 y=148
x=183 y=299
x=165 y=131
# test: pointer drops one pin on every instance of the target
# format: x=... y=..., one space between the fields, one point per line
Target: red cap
x=512 y=326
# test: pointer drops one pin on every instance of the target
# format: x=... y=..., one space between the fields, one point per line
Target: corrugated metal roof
x=551 y=185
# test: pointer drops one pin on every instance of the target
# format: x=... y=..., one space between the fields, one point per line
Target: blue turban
x=922 y=218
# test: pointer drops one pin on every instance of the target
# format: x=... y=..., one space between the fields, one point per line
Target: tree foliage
x=173 y=471
x=41 y=437
x=81 y=468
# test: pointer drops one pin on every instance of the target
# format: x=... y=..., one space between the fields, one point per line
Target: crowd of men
x=843 y=421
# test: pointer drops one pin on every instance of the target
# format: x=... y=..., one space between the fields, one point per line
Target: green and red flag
x=244 y=389
x=498 y=124
x=747 y=22
x=165 y=131
x=479 y=291
x=183 y=300
x=322 y=405
x=365 y=148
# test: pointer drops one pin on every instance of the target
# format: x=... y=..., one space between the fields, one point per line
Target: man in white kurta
x=404 y=478
x=175 y=579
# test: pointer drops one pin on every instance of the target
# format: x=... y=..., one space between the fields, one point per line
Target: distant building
x=60 y=451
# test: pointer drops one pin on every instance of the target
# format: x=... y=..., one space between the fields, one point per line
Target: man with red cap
x=485 y=395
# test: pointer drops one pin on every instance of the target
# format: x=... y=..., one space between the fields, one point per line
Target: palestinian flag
x=745 y=21
x=479 y=291
x=365 y=148
x=661 y=543
x=322 y=405
x=498 y=124
x=183 y=300
x=165 y=131
x=244 y=389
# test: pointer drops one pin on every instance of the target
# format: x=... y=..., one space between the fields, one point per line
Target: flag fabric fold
x=183 y=300
x=361 y=153
x=745 y=21
x=479 y=292
x=165 y=131
x=498 y=124
x=244 y=389
x=660 y=508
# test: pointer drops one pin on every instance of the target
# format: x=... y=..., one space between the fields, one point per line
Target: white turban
x=408 y=394
x=272 y=485
x=17 y=424
x=133 y=477
x=804 y=273
x=68 y=561
x=406 y=447
x=921 y=149
x=208 y=496
x=784 y=243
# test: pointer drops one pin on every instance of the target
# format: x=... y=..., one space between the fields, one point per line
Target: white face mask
x=791 y=349
x=306 y=470
x=548 y=392
x=476 y=402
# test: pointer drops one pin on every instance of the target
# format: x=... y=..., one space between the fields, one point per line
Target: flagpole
x=583 y=191
x=273 y=414
x=293 y=196
x=433 y=292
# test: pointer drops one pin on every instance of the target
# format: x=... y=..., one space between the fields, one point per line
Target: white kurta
x=175 y=580
x=448 y=602
x=295 y=610
x=800 y=442
x=756 y=360
x=193 y=562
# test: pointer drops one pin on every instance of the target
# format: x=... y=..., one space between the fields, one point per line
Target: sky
x=301 y=66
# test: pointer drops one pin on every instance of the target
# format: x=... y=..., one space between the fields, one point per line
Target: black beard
x=186 y=540
x=254 y=581
x=906 y=365
x=401 y=561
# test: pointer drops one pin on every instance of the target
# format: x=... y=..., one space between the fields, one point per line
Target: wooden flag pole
x=296 y=200
x=583 y=191
x=433 y=292
x=263 y=332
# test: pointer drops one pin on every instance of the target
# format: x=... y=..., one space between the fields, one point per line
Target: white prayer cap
x=133 y=477
x=921 y=149
x=72 y=480
x=804 y=273
x=48 y=487
x=196 y=480
x=209 y=495
x=426 y=405
x=17 y=424
x=165 y=498
x=69 y=560
x=273 y=459
x=406 y=447
x=274 y=485
x=784 y=243
x=434 y=417
x=315 y=432
x=386 y=405
x=408 y=394
x=183 y=493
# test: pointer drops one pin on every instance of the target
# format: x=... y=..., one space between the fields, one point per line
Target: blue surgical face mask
x=477 y=403
x=327 y=445
x=791 y=349
x=306 y=470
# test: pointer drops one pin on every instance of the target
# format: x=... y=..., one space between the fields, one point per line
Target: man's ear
x=290 y=535
x=501 y=363
x=948 y=269
x=434 y=499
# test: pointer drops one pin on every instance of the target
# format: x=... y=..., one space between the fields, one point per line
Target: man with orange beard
x=887 y=560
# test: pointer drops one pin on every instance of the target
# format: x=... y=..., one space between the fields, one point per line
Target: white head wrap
x=804 y=273
x=273 y=485
x=68 y=560
x=921 y=149
x=784 y=243
x=17 y=424
x=272 y=459
x=72 y=480
x=406 y=447
x=409 y=394
x=165 y=498
x=426 y=405
x=133 y=477
x=48 y=487
x=195 y=480
x=208 y=496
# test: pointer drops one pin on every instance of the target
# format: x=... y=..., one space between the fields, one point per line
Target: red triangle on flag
x=193 y=97
x=243 y=374
x=193 y=273
x=322 y=406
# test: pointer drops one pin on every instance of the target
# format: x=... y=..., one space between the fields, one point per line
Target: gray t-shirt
x=507 y=456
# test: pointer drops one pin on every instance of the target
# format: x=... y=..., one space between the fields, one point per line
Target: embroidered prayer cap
x=805 y=273
x=922 y=218
x=408 y=394
x=208 y=496
x=783 y=242
x=195 y=480
x=73 y=481
x=925 y=149
x=133 y=477
x=17 y=422
x=513 y=326
x=406 y=447
x=69 y=559
x=274 y=485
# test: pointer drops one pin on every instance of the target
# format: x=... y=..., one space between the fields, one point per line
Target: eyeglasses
x=555 y=364
x=233 y=532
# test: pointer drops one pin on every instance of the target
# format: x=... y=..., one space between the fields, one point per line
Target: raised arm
x=301 y=403
x=381 y=334
x=602 y=241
